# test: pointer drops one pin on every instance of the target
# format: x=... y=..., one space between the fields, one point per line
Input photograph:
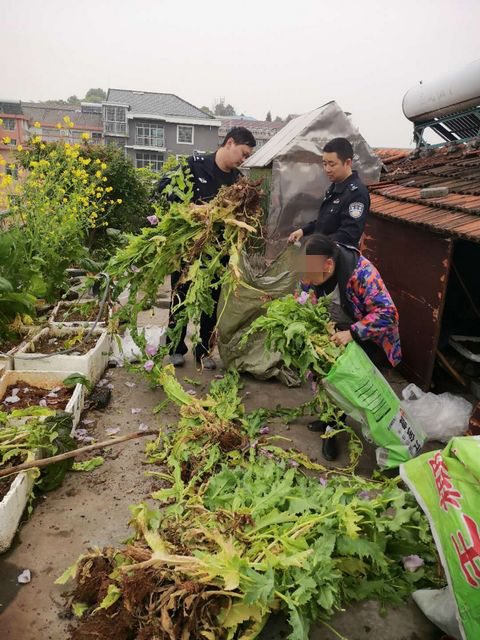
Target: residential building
x=13 y=131
x=262 y=129
x=151 y=126
x=86 y=118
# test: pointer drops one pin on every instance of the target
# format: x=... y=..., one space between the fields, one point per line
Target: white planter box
x=15 y=501
x=91 y=364
x=6 y=361
x=64 y=305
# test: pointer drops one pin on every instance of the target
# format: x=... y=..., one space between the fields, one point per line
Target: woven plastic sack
x=239 y=307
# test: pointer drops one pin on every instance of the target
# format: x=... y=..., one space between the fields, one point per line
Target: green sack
x=239 y=307
x=446 y=485
x=358 y=387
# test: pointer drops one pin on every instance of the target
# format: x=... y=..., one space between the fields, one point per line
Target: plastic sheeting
x=298 y=180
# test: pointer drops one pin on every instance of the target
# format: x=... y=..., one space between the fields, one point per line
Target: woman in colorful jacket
x=360 y=306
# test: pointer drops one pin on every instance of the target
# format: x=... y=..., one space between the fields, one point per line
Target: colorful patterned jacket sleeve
x=375 y=312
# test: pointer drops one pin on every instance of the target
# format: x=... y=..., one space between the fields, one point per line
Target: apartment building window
x=116 y=120
x=150 y=135
x=184 y=134
x=153 y=161
x=9 y=124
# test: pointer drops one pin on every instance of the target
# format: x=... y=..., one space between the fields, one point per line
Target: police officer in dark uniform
x=209 y=172
x=346 y=204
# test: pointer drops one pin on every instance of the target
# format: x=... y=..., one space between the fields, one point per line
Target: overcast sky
x=287 y=57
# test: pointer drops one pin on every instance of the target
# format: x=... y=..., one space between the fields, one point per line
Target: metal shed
x=291 y=165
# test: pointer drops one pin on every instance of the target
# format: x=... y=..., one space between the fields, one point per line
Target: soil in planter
x=9 y=343
x=55 y=344
x=6 y=483
x=30 y=396
x=77 y=314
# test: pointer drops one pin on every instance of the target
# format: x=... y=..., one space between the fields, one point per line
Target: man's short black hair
x=240 y=135
x=320 y=245
x=340 y=146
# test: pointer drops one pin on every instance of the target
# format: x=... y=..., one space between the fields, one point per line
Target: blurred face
x=336 y=170
x=236 y=154
x=318 y=269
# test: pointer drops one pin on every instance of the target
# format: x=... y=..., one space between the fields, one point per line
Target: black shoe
x=317 y=426
x=207 y=363
x=177 y=360
x=330 y=448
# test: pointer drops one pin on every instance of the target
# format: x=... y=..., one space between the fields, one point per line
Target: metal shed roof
x=266 y=154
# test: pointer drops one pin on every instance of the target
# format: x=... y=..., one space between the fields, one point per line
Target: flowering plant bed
x=88 y=355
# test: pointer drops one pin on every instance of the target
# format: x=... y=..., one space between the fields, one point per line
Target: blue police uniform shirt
x=343 y=212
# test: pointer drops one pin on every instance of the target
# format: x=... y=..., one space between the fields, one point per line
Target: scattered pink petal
x=80 y=434
x=148 y=366
x=111 y=431
x=293 y=463
x=266 y=453
x=264 y=430
x=24 y=577
x=134 y=269
x=191 y=392
x=13 y=399
x=88 y=421
x=52 y=394
x=55 y=390
x=143 y=427
x=110 y=386
x=102 y=382
x=153 y=220
x=151 y=349
x=136 y=410
x=309 y=376
x=314 y=386
x=42 y=403
x=15 y=392
x=218 y=376
x=412 y=563
x=130 y=385
x=322 y=481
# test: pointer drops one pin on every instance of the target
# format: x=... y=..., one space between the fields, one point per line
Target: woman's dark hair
x=240 y=135
x=319 y=245
x=340 y=146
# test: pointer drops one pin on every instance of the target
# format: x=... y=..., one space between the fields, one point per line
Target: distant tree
x=291 y=116
x=278 y=119
x=73 y=100
x=268 y=117
x=206 y=110
x=221 y=109
x=95 y=95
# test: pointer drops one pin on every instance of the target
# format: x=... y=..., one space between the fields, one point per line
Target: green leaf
x=79 y=609
x=88 y=465
x=113 y=594
x=77 y=378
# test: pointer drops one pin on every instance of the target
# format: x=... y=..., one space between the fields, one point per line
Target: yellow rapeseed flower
x=119 y=201
x=85 y=136
x=103 y=165
x=99 y=195
x=37 y=139
x=66 y=119
x=98 y=174
x=42 y=146
x=7 y=140
x=20 y=148
x=12 y=166
x=1 y=122
x=59 y=125
x=37 y=125
x=71 y=124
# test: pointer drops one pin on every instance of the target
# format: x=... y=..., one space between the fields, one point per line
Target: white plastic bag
x=438 y=605
x=125 y=349
x=442 y=416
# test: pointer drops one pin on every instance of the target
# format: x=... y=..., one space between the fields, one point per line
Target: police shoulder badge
x=356 y=209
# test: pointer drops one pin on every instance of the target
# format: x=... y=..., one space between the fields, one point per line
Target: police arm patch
x=356 y=209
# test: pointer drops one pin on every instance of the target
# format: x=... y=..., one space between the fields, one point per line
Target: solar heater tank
x=450 y=93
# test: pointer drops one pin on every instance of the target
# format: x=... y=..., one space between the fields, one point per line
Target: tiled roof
x=160 y=104
x=401 y=194
x=251 y=124
x=388 y=155
x=52 y=115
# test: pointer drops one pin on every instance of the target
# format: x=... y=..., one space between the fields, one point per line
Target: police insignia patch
x=356 y=209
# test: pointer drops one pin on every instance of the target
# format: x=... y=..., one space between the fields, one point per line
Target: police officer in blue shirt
x=346 y=204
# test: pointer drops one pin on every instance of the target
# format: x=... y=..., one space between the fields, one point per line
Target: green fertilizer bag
x=446 y=485
x=358 y=387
